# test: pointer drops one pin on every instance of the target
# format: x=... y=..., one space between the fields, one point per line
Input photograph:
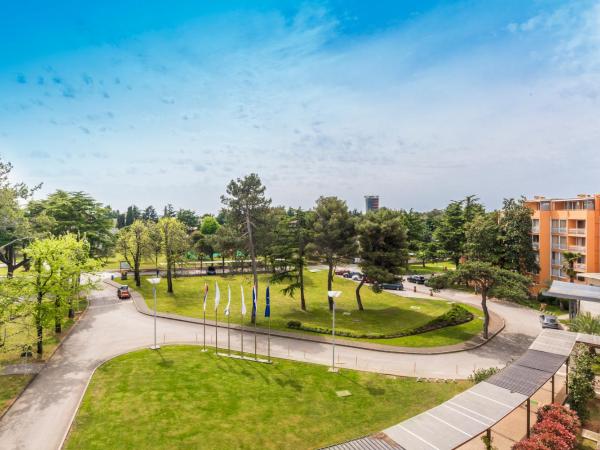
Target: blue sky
x=420 y=102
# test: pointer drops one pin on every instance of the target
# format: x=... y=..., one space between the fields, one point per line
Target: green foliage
x=515 y=237
x=581 y=380
x=209 y=225
x=585 y=323
x=175 y=243
x=77 y=213
x=482 y=238
x=189 y=218
x=149 y=214
x=480 y=375
x=450 y=233
x=133 y=242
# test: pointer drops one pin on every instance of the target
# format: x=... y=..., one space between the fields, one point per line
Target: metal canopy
x=477 y=409
x=573 y=291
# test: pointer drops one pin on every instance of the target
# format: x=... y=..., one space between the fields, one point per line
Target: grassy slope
x=181 y=398
x=385 y=312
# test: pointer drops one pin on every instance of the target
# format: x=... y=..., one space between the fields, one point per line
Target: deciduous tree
x=174 y=243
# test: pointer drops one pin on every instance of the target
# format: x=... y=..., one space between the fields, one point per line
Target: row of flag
x=227 y=308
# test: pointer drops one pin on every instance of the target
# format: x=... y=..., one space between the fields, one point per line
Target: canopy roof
x=573 y=291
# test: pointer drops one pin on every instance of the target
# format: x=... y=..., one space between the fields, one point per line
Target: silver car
x=549 y=321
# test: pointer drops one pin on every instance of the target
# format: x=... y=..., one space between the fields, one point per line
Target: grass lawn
x=430 y=267
x=385 y=312
x=10 y=387
x=181 y=398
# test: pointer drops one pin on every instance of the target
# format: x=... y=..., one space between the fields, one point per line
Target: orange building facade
x=560 y=225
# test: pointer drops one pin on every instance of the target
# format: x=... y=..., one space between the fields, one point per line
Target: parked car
x=417 y=279
x=342 y=272
x=123 y=292
x=211 y=270
x=357 y=276
x=397 y=286
x=549 y=321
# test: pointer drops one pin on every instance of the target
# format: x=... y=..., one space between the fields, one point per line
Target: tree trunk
x=253 y=259
x=330 y=283
x=169 y=277
x=136 y=273
x=301 y=280
x=358 y=299
x=423 y=263
x=486 y=313
x=38 y=325
x=57 y=316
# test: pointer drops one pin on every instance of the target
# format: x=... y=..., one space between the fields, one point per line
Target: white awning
x=574 y=291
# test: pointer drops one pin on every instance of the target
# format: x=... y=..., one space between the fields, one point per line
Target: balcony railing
x=535 y=245
x=577 y=248
x=577 y=231
x=557 y=246
x=557 y=273
x=559 y=230
x=579 y=266
x=535 y=230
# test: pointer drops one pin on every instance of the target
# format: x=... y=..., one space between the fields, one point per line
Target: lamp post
x=154 y=282
x=333 y=295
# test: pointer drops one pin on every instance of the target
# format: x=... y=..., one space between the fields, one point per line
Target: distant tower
x=371 y=202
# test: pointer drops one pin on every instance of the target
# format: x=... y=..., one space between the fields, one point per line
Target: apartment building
x=567 y=224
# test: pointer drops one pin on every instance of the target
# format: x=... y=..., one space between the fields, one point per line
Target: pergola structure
x=478 y=409
x=573 y=291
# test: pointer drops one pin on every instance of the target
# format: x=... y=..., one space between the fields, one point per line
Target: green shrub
x=294 y=324
x=480 y=375
x=581 y=381
x=455 y=316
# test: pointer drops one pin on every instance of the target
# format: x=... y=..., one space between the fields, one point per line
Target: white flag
x=228 y=300
x=217 y=296
x=243 y=303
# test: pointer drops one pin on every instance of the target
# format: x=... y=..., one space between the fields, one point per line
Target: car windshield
x=551 y=319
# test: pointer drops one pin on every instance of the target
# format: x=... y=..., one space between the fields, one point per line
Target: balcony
x=535 y=230
x=557 y=273
x=559 y=246
x=559 y=230
x=535 y=245
x=578 y=231
x=577 y=248
x=579 y=267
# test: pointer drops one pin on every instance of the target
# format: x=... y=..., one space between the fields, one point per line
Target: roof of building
x=574 y=291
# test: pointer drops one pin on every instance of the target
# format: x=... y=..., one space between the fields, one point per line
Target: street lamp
x=333 y=295
x=154 y=282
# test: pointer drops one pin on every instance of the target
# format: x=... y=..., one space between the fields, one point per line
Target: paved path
x=42 y=415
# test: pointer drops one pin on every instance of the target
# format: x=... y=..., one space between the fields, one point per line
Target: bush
x=581 y=381
x=455 y=316
x=480 y=375
x=560 y=414
x=586 y=323
x=294 y=324
x=556 y=429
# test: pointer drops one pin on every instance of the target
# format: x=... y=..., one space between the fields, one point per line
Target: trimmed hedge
x=456 y=315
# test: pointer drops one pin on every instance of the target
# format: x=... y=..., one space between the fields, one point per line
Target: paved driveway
x=41 y=417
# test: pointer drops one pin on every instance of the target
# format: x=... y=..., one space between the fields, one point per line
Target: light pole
x=333 y=295
x=154 y=282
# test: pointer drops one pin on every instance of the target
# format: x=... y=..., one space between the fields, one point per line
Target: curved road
x=42 y=416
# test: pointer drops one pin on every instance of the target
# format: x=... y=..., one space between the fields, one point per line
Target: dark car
x=356 y=276
x=211 y=270
x=417 y=279
x=342 y=272
x=392 y=286
x=549 y=321
x=123 y=292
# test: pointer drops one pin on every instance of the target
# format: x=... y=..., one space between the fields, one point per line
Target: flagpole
x=255 y=353
x=204 y=330
x=242 y=332
x=269 y=340
x=228 y=338
x=216 y=328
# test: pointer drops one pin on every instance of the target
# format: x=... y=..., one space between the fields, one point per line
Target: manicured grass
x=384 y=313
x=179 y=397
x=10 y=387
x=431 y=267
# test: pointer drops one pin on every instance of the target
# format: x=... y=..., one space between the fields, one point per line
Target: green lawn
x=181 y=398
x=10 y=387
x=430 y=268
x=384 y=312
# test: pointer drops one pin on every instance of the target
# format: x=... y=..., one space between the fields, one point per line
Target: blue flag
x=268 y=304
x=254 y=301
